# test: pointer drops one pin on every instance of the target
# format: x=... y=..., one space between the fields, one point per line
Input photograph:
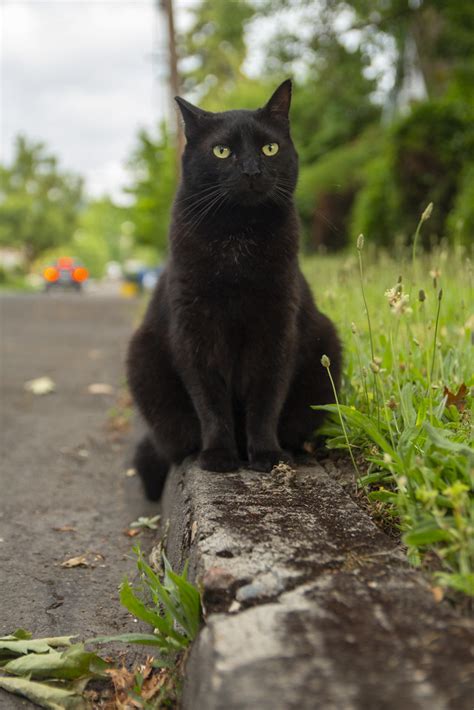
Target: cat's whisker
x=191 y=208
x=216 y=204
x=205 y=189
x=280 y=195
x=199 y=197
x=203 y=209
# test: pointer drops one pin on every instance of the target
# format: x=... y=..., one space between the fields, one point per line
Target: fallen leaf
x=458 y=399
x=21 y=643
x=43 y=694
x=65 y=528
x=100 y=388
x=79 y=453
x=95 y=354
x=131 y=532
x=118 y=423
x=121 y=678
x=79 y=561
x=40 y=385
x=74 y=662
x=438 y=594
x=87 y=559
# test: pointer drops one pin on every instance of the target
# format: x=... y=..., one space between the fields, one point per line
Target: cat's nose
x=251 y=169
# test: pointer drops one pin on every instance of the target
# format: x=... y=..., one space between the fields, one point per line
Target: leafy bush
x=327 y=188
x=424 y=156
x=461 y=219
x=376 y=206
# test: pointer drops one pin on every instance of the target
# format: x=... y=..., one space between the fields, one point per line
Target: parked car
x=65 y=272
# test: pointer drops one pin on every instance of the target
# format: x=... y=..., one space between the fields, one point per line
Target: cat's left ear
x=279 y=104
x=193 y=116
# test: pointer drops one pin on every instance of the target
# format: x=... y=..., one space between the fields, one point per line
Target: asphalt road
x=63 y=464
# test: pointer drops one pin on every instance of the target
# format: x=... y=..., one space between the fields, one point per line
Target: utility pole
x=173 y=77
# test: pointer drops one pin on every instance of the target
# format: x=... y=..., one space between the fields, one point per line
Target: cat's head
x=241 y=157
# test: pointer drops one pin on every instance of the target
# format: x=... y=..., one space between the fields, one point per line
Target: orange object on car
x=51 y=274
x=80 y=274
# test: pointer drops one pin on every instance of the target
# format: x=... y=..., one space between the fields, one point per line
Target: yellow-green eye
x=270 y=149
x=221 y=151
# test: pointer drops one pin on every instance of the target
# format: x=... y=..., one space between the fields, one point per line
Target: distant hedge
x=380 y=184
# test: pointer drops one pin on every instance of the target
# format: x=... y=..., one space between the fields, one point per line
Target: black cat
x=227 y=360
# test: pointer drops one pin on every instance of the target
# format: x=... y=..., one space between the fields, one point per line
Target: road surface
x=64 y=457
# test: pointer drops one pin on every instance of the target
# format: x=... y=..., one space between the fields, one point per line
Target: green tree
x=214 y=46
x=104 y=221
x=39 y=204
x=440 y=31
x=153 y=173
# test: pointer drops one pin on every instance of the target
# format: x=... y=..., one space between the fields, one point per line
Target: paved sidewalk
x=61 y=468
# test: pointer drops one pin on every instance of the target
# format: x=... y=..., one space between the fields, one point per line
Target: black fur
x=227 y=360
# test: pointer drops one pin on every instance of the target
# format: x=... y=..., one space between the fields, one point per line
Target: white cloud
x=83 y=77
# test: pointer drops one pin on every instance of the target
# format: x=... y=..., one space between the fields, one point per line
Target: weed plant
x=55 y=672
x=405 y=410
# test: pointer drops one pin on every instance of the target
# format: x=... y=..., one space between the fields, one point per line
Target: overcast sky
x=83 y=76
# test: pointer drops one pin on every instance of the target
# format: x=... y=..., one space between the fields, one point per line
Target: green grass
x=171 y=606
x=55 y=672
x=407 y=323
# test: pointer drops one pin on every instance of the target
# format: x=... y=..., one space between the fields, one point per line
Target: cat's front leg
x=263 y=408
x=212 y=400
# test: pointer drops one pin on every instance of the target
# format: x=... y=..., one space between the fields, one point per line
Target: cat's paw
x=266 y=460
x=218 y=460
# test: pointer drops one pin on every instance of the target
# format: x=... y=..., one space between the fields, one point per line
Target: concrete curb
x=308 y=604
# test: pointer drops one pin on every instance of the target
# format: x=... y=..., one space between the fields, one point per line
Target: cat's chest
x=234 y=249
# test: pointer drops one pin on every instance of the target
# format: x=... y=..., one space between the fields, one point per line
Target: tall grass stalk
x=360 y=246
x=326 y=363
x=424 y=217
x=435 y=339
x=363 y=375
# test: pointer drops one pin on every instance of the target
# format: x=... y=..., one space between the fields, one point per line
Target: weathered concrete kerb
x=308 y=604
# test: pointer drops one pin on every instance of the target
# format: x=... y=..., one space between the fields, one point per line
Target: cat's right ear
x=193 y=117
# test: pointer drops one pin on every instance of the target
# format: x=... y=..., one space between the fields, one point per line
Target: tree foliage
x=39 y=204
x=215 y=47
x=153 y=184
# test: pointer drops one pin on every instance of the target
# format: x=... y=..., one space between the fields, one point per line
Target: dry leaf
x=118 y=423
x=87 y=559
x=131 y=532
x=40 y=385
x=95 y=354
x=122 y=678
x=194 y=528
x=153 y=684
x=65 y=528
x=438 y=594
x=100 y=388
x=458 y=399
x=79 y=561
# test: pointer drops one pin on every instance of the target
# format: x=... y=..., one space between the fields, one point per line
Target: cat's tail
x=151 y=467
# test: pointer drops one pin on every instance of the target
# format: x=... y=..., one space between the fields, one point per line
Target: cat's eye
x=270 y=149
x=221 y=151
